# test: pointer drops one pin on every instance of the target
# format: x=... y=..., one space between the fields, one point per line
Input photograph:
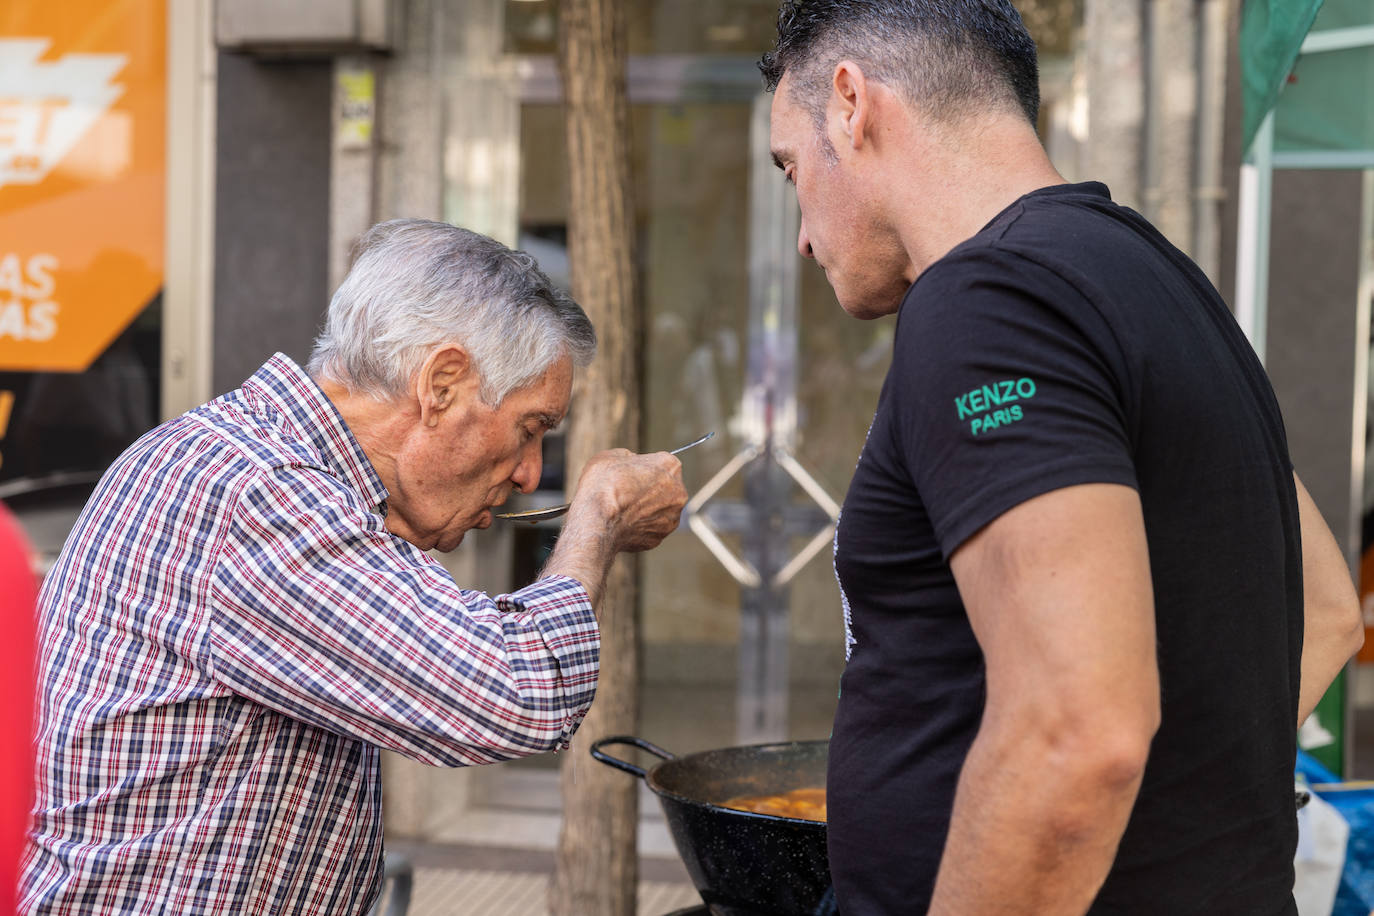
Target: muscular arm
x=1332 y=629
x=1059 y=595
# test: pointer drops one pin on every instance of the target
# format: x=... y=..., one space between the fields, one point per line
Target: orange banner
x=82 y=173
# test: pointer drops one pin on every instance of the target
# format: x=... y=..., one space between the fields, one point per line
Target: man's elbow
x=1101 y=772
x=1353 y=629
x=1335 y=622
x=1111 y=758
x=1119 y=762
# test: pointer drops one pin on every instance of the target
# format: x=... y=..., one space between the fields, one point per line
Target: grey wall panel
x=1314 y=272
x=272 y=211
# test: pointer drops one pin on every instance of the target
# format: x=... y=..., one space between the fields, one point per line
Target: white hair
x=418 y=284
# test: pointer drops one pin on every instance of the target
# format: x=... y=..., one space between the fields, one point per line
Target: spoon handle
x=683 y=448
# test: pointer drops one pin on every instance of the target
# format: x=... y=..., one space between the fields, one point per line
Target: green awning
x=1312 y=116
x=1325 y=114
x=1271 y=33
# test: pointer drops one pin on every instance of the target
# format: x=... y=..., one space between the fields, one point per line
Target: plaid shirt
x=230 y=635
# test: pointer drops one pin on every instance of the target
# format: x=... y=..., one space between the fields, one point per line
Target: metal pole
x=1208 y=192
x=1359 y=427
x=188 y=287
x=1252 y=245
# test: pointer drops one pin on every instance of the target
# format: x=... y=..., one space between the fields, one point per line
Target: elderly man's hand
x=623 y=502
x=638 y=498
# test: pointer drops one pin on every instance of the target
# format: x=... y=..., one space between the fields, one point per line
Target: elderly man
x=1088 y=602
x=244 y=613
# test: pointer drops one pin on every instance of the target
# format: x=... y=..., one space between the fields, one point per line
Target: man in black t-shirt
x=1087 y=601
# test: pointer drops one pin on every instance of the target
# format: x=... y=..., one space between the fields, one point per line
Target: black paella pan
x=742 y=863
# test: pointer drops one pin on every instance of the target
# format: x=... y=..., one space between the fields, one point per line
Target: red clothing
x=18 y=588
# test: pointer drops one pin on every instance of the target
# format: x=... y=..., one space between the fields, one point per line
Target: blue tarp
x=1355 y=803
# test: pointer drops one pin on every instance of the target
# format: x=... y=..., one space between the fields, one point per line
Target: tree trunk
x=1171 y=118
x=597 y=869
x=1113 y=42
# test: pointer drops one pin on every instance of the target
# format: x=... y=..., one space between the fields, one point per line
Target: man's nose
x=804 y=242
x=531 y=466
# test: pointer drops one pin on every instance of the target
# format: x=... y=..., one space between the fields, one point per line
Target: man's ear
x=851 y=102
x=441 y=381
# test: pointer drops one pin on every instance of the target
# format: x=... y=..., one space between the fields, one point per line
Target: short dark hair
x=941 y=54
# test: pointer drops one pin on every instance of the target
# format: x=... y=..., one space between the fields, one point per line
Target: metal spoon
x=538 y=515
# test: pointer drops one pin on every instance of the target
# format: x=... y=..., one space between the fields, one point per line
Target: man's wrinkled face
x=451 y=474
x=838 y=228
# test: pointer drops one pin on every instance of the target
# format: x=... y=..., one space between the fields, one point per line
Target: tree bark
x=1113 y=43
x=1171 y=118
x=596 y=868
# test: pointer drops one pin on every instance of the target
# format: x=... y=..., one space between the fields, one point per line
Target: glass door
x=695 y=96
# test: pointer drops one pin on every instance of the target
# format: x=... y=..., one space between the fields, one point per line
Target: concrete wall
x=1314 y=276
x=271 y=211
x=1312 y=305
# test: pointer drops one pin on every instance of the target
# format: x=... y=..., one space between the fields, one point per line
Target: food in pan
x=807 y=804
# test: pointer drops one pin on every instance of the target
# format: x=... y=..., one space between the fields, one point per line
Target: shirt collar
x=314 y=418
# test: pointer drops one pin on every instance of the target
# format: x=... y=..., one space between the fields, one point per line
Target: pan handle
x=599 y=754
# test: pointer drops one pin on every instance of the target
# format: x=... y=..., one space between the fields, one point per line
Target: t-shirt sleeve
x=1012 y=385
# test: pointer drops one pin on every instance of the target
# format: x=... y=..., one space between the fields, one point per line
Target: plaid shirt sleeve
x=323 y=615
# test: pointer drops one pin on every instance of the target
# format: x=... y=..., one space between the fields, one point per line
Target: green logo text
x=989 y=406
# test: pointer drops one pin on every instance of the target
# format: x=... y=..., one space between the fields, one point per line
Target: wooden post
x=596 y=870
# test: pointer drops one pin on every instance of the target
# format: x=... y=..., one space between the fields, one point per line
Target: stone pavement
x=445 y=892
x=462 y=880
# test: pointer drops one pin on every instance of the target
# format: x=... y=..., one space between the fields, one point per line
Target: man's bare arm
x=1332 y=628
x=1059 y=594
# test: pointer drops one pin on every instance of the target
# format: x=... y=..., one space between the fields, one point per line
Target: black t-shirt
x=1069 y=343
